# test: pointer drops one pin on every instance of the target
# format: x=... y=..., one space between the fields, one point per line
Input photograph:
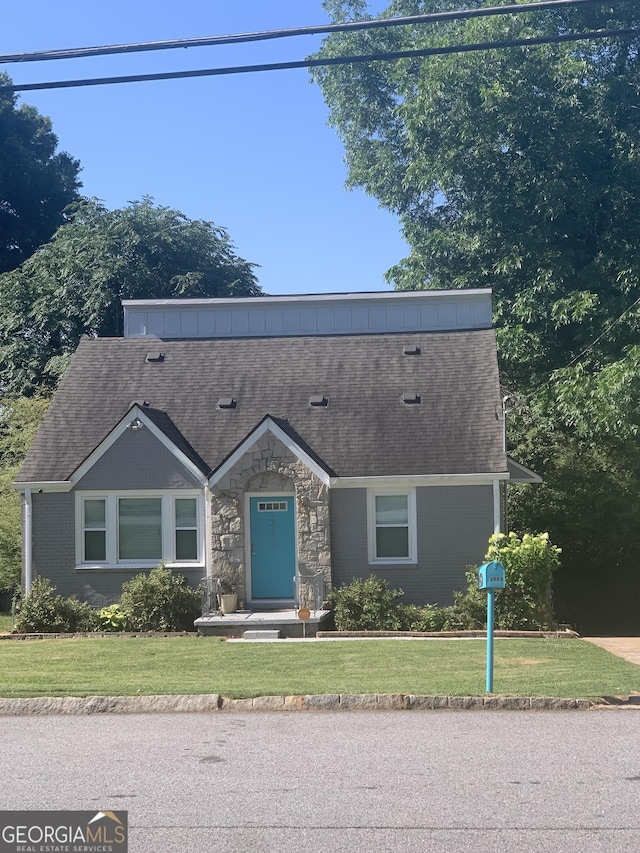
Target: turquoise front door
x=273 y=547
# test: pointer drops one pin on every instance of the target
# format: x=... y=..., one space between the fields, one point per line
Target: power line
x=241 y=38
x=316 y=63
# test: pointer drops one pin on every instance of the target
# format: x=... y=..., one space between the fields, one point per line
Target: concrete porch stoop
x=284 y=622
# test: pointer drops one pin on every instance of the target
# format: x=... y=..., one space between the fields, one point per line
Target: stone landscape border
x=321 y=635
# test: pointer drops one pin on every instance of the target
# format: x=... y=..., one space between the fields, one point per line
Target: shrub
x=434 y=618
x=160 y=601
x=530 y=563
x=40 y=611
x=112 y=618
x=367 y=605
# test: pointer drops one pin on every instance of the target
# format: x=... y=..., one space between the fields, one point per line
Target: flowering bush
x=530 y=562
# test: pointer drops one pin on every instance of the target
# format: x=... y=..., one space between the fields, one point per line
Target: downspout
x=503 y=515
x=28 y=541
x=505 y=400
x=496 y=507
x=208 y=527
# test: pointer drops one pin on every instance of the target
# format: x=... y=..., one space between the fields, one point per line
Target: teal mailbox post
x=491 y=576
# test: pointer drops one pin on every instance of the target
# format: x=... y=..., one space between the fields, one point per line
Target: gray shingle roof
x=365 y=430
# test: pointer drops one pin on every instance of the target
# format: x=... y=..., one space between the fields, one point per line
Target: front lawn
x=120 y=666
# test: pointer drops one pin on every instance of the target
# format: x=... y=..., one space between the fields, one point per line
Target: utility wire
x=526 y=399
x=316 y=63
x=241 y=38
x=604 y=332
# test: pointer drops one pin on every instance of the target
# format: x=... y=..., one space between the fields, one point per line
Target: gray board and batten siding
x=54 y=554
x=335 y=314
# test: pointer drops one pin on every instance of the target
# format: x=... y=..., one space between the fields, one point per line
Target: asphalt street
x=346 y=781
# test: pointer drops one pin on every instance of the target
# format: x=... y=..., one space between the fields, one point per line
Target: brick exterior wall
x=454 y=524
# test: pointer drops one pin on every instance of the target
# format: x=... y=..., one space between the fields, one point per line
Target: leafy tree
x=19 y=422
x=519 y=170
x=37 y=182
x=590 y=504
x=516 y=169
x=74 y=284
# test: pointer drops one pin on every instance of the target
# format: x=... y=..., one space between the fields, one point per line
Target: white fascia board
x=46 y=486
x=411 y=481
x=120 y=428
x=269 y=426
x=307 y=297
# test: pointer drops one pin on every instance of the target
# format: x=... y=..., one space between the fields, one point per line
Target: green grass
x=120 y=666
x=6 y=622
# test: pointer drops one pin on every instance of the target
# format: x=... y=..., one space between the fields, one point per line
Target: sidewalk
x=624 y=647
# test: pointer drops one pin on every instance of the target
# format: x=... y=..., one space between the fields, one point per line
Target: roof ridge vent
x=318 y=400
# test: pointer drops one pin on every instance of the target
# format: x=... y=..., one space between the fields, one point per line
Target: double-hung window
x=392 y=527
x=139 y=529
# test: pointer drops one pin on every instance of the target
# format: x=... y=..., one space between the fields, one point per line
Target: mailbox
x=491 y=576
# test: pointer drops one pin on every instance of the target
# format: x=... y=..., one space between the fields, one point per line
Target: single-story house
x=283 y=441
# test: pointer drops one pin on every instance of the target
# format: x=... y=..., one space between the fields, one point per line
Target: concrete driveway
x=624 y=647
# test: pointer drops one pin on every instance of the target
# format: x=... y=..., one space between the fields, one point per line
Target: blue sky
x=251 y=152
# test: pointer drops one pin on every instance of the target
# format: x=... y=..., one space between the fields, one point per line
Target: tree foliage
x=519 y=169
x=37 y=181
x=516 y=169
x=74 y=285
x=19 y=422
x=590 y=504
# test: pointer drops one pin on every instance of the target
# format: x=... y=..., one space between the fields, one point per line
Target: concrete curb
x=207 y=703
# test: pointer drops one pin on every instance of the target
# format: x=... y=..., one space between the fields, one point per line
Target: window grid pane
x=186 y=513
x=95 y=547
x=392 y=542
x=140 y=529
x=392 y=509
x=94 y=514
x=186 y=545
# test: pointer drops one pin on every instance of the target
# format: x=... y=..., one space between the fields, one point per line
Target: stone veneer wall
x=269 y=467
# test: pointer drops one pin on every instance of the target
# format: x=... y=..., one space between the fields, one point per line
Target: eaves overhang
x=414 y=480
x=46 y=486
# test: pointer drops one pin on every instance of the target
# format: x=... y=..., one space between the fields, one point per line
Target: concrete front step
x=285 y=622
x=261 y=635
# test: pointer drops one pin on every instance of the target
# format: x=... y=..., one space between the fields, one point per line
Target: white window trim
x=168 y=516
x=412 y=559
